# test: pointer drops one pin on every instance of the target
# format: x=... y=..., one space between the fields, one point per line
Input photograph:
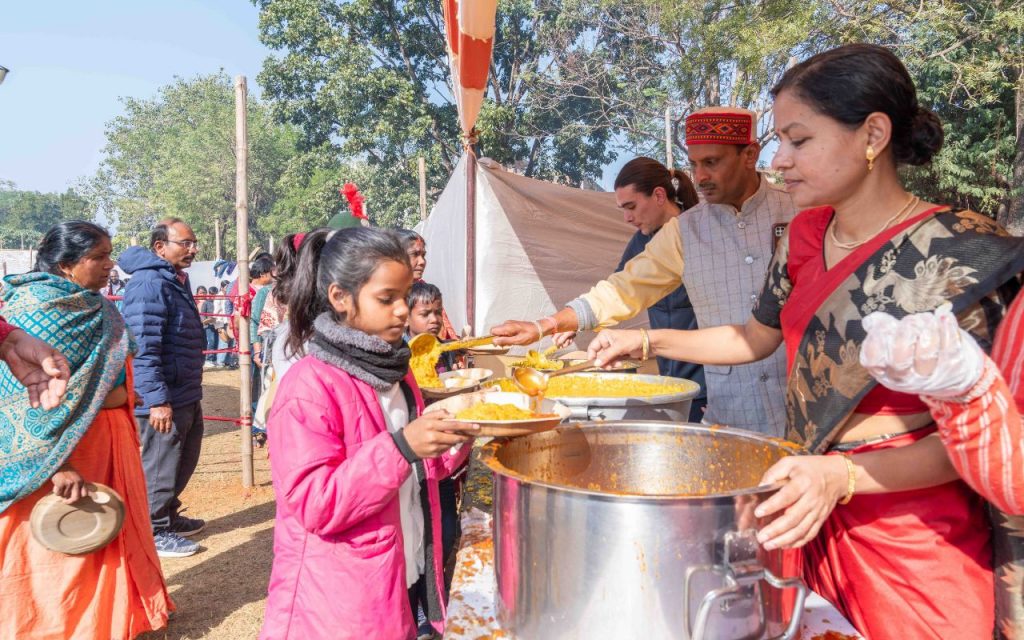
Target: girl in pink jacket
x=355 y=537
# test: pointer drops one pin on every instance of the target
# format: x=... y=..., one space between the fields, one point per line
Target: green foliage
x=173 y=155
x=26 y=215
x=967 y=60
x=371 y=78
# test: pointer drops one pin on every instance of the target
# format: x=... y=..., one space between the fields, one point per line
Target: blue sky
x=71 y=61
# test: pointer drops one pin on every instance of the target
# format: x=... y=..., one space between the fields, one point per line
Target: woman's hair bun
x=925 y=139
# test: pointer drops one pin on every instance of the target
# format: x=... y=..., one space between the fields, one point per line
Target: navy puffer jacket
x=165 y=320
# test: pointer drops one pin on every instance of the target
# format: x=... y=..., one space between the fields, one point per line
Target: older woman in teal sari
x=117 y=591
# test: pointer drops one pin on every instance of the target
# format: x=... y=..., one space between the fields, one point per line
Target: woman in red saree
x=891 y=535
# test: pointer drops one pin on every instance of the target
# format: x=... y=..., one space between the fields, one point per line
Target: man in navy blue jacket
x=160 y=310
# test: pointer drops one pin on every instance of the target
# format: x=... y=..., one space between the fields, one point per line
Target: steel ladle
x=534 y=382
x=426 y=342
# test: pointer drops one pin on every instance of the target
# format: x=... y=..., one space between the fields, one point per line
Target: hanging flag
x=469 y=25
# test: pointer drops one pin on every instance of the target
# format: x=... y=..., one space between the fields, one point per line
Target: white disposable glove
x=923 y=354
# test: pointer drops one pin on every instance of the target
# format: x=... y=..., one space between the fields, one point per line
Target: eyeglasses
x=188 y=244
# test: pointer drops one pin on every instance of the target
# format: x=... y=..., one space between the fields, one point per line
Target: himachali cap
x=721 y=125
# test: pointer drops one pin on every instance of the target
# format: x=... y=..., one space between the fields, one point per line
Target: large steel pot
x=673 y=407
x=639 y=530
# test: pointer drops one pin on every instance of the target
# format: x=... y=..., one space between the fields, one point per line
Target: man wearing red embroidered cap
x=728 y=241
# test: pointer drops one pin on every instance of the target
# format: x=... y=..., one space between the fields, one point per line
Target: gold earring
x=870 y=155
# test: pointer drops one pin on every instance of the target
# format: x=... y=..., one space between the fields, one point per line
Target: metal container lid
x=641 y=460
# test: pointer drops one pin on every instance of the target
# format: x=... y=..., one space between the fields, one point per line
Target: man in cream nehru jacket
x=727 y=242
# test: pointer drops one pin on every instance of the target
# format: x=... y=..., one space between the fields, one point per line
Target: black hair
x=261 y=266
x=66 y=244
x=647 y=174
x=408 y=237
x=422 y=293
x=214 y=291
x=344 y=257
x=202 y=288
x=851 y=82
x=286 y=257
x=159 y=233
x=224 y=284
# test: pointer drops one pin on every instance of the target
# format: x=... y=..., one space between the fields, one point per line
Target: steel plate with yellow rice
x=493 y=411
x=589 y=386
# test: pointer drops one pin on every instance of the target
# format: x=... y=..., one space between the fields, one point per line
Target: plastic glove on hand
x=923 y=354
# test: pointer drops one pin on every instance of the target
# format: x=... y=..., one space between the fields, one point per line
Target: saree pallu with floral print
x=898 y=565
x=959 y=257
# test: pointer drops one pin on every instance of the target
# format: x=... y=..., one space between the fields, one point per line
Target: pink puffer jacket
x=339 y=565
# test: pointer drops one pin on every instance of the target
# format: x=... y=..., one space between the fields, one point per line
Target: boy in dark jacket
x=162 y=314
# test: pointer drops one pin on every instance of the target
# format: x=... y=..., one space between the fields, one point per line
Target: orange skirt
x=114 y=593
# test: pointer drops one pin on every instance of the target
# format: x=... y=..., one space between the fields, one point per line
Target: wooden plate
x=440 y=393
x=79 y=528
x=456 y=382
x=461 y=378
x=503 y=428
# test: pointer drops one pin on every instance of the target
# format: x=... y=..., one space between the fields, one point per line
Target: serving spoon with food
x=535 y=383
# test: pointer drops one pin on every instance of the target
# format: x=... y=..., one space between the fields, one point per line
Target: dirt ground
x=221 y=591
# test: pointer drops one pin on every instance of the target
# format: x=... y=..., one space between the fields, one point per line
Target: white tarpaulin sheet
x=538 y=245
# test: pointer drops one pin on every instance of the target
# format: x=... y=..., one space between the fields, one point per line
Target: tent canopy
x=538 y=245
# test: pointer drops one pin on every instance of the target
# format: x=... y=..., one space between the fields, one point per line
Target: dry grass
x=221 y=591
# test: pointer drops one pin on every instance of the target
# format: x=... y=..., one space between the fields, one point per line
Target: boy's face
x=425 y=318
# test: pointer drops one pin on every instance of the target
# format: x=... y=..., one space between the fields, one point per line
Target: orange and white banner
x=470 y=28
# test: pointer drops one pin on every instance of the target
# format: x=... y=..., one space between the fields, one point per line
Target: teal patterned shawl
x=91 y=334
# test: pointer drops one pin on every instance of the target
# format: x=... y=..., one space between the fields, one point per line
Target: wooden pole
x=668 y=137
x=242 y=249
x=471 y=238
x=423 y=187
x=216 y=233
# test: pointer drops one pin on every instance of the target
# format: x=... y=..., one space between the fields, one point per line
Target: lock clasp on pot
x=742 y=573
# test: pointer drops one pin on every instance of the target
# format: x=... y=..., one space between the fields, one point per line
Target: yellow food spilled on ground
x=424 y=367
x=495 y=411
x=598 y=387
x=540 y=361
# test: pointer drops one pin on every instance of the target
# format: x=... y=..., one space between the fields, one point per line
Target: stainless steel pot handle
x=704 y=612
x=744 y=573
x=583 y=412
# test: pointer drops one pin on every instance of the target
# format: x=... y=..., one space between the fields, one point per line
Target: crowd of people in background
x=911 y=425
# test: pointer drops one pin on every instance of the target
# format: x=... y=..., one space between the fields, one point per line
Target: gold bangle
x=851 y=479
x=646 y=341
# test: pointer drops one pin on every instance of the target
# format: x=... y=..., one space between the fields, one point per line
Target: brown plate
x=79 y=528
x=503 y=428
x=440 y=393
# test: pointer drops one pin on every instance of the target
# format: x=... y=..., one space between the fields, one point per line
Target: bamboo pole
x=423 y=187
x=216 y=234
x=471 y=239
x=668 y=137
x=242 y=249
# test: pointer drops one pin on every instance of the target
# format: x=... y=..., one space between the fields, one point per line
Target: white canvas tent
x=538 y=246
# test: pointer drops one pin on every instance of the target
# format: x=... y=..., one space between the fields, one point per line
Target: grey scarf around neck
x=365 y=357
